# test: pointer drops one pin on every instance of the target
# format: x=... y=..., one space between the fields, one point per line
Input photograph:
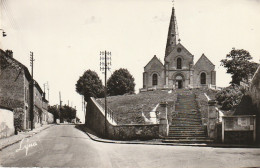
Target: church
x=178 y=70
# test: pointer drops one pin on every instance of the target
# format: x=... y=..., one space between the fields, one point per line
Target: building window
x=203 y=78
x=155 y=79
x=179 y=63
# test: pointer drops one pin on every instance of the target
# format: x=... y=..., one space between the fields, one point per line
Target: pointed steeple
x=171 y=39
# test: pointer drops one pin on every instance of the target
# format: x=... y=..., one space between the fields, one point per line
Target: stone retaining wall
x=95 y=120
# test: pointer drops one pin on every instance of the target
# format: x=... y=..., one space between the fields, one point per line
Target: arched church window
x=179 y=63
x=203 y=78
x=155 y=79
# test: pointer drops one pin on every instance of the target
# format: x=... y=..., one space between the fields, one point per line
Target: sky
x=66 y=36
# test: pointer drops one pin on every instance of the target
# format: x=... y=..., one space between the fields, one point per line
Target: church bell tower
x=172 y=34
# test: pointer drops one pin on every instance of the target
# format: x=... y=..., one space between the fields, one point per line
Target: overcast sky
x=66 y=36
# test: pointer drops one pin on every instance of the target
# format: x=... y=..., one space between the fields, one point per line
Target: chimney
x=44 y=96
x=9 y=53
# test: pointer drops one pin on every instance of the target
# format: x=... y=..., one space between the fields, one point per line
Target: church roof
x=154 y=59
x=179 y=45
x=203 y=56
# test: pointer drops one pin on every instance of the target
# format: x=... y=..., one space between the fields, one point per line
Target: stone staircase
x=186 y=125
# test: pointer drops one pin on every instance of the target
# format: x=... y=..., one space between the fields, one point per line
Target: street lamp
x=4 y=34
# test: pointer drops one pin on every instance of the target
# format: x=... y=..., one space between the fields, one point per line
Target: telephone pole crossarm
x=105 y=63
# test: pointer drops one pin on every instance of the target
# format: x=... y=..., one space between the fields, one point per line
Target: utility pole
x=31 y=91
x=48 y=91
x=105 y=63
x=60 y=105
x=44 y=93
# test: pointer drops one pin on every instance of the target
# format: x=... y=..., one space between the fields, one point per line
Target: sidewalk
x=5 y=142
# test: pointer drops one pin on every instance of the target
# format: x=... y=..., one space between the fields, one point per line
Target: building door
x=179 y=84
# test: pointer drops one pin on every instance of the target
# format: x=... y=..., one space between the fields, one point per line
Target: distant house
x=45 y=115
x=14 y=88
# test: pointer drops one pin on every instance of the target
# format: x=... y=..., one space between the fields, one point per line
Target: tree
x=90 y=85
x=230 y=97
x=68 y=113
x=238 y=65
x=120 y=82
x=55 y=111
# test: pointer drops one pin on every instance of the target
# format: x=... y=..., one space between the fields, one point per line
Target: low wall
x=6 y=122
x=239 y=129
x=130 y=132
x=95 y=120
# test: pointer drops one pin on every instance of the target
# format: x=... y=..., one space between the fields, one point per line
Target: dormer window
x=179 y=63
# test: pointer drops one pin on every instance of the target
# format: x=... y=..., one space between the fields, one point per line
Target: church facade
x=178 y=69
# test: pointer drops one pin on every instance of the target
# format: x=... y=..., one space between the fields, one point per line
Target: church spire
x=172 y=34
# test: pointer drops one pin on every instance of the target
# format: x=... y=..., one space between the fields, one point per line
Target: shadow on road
x=85 y=129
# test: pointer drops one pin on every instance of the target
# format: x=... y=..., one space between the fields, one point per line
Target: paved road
x=66 y=146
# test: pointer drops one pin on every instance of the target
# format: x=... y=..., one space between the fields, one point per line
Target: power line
x=13 y=23
x=9 y=15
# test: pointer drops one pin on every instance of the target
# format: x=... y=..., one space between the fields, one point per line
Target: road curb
x=141 y=143
x=94 y=138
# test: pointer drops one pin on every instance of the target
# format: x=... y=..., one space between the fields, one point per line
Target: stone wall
x=95 y=120
x=239 y=137
x=12 y=88
x=14 y=92
x=6 y=123
x=129 y=132
x=234 y=137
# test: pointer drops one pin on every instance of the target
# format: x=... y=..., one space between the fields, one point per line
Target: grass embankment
x=128 y=109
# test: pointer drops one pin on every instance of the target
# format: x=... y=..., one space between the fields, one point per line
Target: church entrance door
x=179 y=82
